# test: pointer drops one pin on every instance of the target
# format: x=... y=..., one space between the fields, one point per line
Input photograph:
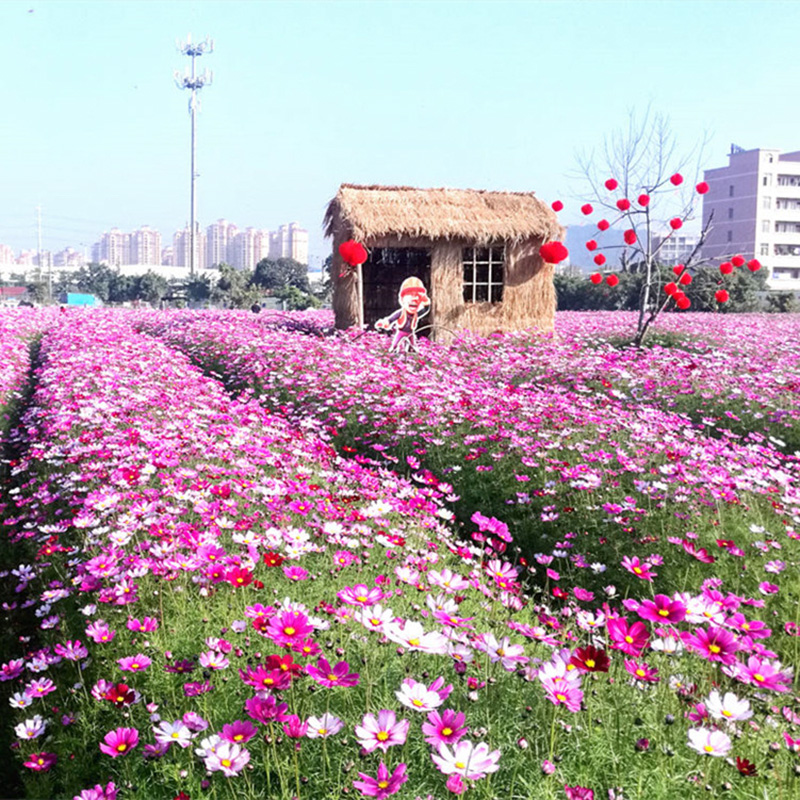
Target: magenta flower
x=135 y=663
x=641 y=569
x=444 y=727
x=40 y=762
x=238 y=732
x=12 y=669
x=72 y=651
x=714 y=644
x=328 y=676
x=99 y=632
x=662 y=609
x=360 y=595
x=98 y=792
x=294 y=727
x=119 y=742
x=561 y=692
x=266 y=709
x=146 y=625
x=381 y=732
x=641 y=671
x=765 y=674
x=40 y=687
x=295 y=573
x=384 y=784
x=288 y=627
x=631 y=639
x=579 y=793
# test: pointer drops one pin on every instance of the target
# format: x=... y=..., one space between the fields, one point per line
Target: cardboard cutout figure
x=414 y=304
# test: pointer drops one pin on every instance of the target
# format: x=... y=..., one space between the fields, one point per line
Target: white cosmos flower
x=729 y=707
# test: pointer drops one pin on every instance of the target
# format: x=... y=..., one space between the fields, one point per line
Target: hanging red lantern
x=599 y=259
x=557 y=205
x=685 y=279
x=738 y=260
x=591 y=245
x=586 y=209
x=596 y=278
x=612 y=280
x=676 y=179
x=678 y=268
x=726 y=267
x=683 y=303
x=353 y=253
x=721 y=296
x=671 y=288
x=603 y=225
x=643 y=200
x=623 y=204
x=629 y=236
x=702 y=187
x=676 y=223
x=553 y=252
x=754 y=265
x=611 y=184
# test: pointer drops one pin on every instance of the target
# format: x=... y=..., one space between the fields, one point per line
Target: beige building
x=289 y=241
x=180 y=248
x=145 y=246
x=755 y=201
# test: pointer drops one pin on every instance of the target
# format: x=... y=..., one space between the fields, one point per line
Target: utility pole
x=39 y=257
x=194 y=82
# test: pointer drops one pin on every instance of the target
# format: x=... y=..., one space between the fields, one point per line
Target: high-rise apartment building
x=6 y=254
x=219 y=243
x=248 y=248
x=289 y=241
x=113 y=249
x=755 y=201
x=68 y=258
x=167 y=257
x=145 y=246
x=181 y=246
x=673 y=248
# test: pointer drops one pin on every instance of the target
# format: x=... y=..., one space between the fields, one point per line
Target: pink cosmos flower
x=40 y=687
x=631 y=639
x=266 y=709
x=510 y=655
x=98 y=792
x=119 y=742
x=135 y=663
x=563 y=692
x=72 y=650
x=578 y=792
x=384 y=785
x=99 y=632
x=294 y=727
x=328 y=676
x=471 y=761
x=709 y=742
x=642 y=671
x=714 y=644
x=295 y=573
x=641 y=569
x=265 y=679
x=238 y=732
x=754 y=628
x=446 y=727
x=729 y=707
x=418 y=696
x=12 y=669
x=324 y=726
x=662 y=609
x=40 y=762
x=412 y=635
x=765 y=674
x=227 y=758
x=765 y=587
x=360 y=595
x=381 y=732
x=288 y=627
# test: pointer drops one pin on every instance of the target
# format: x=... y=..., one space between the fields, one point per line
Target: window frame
x=495 y=288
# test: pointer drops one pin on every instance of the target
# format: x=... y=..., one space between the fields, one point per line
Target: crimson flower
x=273 y=559
x=745 y=767
x=239 y=577
x=590 y=659
x=120 y=695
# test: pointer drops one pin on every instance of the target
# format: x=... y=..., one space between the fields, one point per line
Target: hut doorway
x=384 y=271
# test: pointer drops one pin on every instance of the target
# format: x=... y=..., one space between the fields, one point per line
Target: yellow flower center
x=714 y=648
x=122 y=747
x=708 y=748
x=460 y=765
x=289 y=631
x=414 y=642
x=382 y=736
x=629 y=639
x=561 y=697
x=416 y=703
x=361 y=598
x=726 y=713
x=332 y=678
x=640 y=673
x=225 y=762
x=322 y=731
x=383 y=784
x=447 y=731
x=238 y=737
x=590 y=662
x=663 y=612
x=758 y=676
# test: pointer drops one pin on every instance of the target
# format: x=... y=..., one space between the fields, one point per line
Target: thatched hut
x=476 y=251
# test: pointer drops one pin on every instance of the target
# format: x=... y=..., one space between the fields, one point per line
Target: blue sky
x=307 y=95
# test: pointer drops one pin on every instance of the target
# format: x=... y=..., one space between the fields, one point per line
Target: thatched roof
x=480 y=216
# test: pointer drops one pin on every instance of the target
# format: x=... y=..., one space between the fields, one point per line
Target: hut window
x=484 y=269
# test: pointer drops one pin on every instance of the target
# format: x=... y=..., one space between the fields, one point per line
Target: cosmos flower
x=384 y=784
x=119 y=742
x=709 y=742
x=381 y=732
x=472 y=761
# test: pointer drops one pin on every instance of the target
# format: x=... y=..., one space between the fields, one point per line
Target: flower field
x=244 y=556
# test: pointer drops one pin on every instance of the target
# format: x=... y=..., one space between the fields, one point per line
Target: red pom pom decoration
x=612 y=280
x=737 y=261
x=596 y=278
x=557 y=205
x=553 y=252
x=754 y=265
x=726 y=267
x=721 y=296
x=702 y=187
x=623 y=204
x=587 y=209
x=677 y=269
x=591 y=245
x=683 y=303
x=611 y=184
x=629 y=236
x=352 y=253
x=685 y=279
x=643 y=200
x=676 y=223
x=670 y=288
x=676 y=179
x=599 y=259
x=603 y=225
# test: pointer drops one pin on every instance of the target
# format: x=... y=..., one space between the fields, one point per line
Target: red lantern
x=596 y=278
x=557 y=205
x=721 y=296
x=353 y=253
x=643 y=200
x=599 y=259
x=683 y=303
x=591 y=245
x=754 y=265
x=612 y=280
x=623 y=204
x=629 y=236
x=670 y=288
x=677 y=269
x=587 y=209
x=737 y=260
x=611 y=184
x=685 y=279
x=702 y=187
x=726 y=267
x=603 y=225
x=553 y=252
x=676 y=223
x=676 y=179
